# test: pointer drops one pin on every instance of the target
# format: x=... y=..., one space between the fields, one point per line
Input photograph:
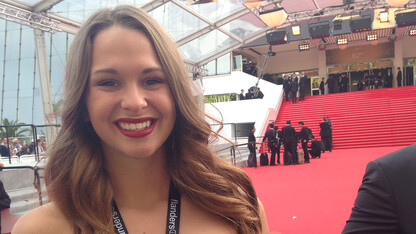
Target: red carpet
x=320 y=194
x=373 y=118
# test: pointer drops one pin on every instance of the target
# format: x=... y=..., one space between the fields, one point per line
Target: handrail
x=232 y=151
x=37 y=177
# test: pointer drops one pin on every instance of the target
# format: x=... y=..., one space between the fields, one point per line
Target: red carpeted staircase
x=373 y=118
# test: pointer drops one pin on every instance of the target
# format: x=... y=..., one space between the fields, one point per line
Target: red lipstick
x=136 y=134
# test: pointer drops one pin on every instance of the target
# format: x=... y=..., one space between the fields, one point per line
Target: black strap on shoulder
x=173 y=216
x=174 y=210
x=119 y=226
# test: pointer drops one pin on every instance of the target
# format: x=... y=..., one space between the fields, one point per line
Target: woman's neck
x=139 y=182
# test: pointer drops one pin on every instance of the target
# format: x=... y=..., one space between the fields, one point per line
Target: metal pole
x=264 y=65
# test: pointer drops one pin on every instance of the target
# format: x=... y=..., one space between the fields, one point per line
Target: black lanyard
x=173 y=217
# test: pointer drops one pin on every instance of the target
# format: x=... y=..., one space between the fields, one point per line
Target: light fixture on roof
x=274 y=17
x=397 y=3
x=384 y=16
x=296 y=30
x=253 y=3
x=342 y=41
x=371 y=37
x=412 y=32
x=304 y=46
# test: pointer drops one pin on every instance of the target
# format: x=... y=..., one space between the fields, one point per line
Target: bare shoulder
x=196 y=220
x=44 y=219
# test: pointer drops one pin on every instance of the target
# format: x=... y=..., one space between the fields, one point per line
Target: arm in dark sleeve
x=374 y=209
x=265 y=136
x=4 y=198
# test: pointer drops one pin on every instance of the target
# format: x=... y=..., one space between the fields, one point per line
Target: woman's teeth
x=135 y=126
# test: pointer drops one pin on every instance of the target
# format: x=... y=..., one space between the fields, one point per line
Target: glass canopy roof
x=203 y=31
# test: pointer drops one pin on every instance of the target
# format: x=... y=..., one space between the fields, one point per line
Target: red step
x=372 y=118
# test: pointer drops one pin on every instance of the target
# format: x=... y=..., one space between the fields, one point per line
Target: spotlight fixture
x=296 y=30
x=412 y=32
x=342 y=41
x=274 y=17
x=304 y=46
x=384 y=16
x=372 y=37
x=253 y=3
x=397 y=3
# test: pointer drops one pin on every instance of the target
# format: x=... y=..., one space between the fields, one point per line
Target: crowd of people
x=253 y=93
x=339 y=83
x=291 y=85
x=12 y=147
x=296 y=144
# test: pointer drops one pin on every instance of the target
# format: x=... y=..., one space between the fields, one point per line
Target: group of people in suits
x=291 y=85
x=252 y=93
x=371 y=80
x=289 y=138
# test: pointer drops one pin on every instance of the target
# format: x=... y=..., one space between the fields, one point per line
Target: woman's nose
x=134 y=98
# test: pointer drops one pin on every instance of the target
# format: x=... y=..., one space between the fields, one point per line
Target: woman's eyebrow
x=107 y=70
x=153 y=69
x=113 y=71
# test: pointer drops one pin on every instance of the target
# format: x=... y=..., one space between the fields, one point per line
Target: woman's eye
x=107 y=83
x=152 y=81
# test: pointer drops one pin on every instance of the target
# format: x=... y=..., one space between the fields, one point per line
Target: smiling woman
x=133 y=151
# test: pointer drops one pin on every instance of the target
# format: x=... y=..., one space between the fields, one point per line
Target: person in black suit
x=249 y=94
x=344 y=82
x=4 y=150
x=304 y=135
x=279 y=142
x=326 y=134
x=385 y=202
x=252 y=146
x=290 y=142
x=286 y=87
x=242 y=97
x=339 y=84
x=302 y=86
x=389 y=79
x=271 y=143
x=331 y=84
x=294 y=87
x=259 y=94
x=315 y=149
x=360 y=85
x=399 y=77
x=322 y=86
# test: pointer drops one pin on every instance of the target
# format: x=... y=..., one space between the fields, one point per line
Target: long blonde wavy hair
x=75 y=174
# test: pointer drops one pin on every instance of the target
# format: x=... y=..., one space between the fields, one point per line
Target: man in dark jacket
x=386 y=201
x=326 y=134
x=302 y=86
x=242 y=97
x=305 y=134
x=322 y=86
x=4 y=150
x=399 y=77
x=389 y=79
x=279 y=142
x=271 y=143
x=294 y=87
x=331 y=84
x=252 y=158
x=344 y=82
x=315 y=149
x=259 y=93
x=289 y=137
x=286 y=87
